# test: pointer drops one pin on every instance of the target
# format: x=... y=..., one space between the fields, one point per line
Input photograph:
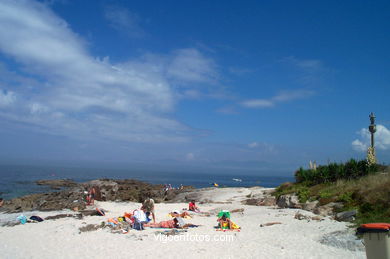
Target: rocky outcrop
x=328 y=209
x=288 y=201
x=266 y=201
x=74 y=197
x=310 y=206
x=67 y=199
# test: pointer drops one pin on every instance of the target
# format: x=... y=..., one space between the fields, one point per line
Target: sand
x=292 y=238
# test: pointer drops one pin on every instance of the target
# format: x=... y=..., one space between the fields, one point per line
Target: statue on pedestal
x=371 y=157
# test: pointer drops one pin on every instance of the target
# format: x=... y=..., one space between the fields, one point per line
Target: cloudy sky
x=246 y=86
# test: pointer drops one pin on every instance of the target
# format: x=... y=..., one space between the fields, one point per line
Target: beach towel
x=224 y=230
x=113 y=221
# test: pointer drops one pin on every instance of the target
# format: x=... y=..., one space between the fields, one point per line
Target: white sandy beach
x=293 y=238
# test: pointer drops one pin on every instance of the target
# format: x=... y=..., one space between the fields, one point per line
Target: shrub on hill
x=332 y=172
x=367 y=191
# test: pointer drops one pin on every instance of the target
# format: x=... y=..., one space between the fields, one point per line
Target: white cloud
x=37 y=108
x=124 y=21
x=359 y=146
x=381 y=138
x=283 y=96
x=75 y=94
x=257 y=103
x=6 y=98
x=190 y=65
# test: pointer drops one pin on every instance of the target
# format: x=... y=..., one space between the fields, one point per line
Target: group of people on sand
x=176 y=221
x=140 y=218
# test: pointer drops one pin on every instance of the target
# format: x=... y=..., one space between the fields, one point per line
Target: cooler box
x=376 y=239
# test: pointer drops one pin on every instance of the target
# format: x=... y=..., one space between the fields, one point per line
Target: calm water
x=19 y=180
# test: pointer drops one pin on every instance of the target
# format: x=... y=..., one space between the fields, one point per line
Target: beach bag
x=225 y=213
x=36 y=218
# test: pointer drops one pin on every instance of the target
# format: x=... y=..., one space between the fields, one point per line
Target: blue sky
x=254 y=86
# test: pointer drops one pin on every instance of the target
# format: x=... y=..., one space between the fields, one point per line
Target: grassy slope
x=370 y=195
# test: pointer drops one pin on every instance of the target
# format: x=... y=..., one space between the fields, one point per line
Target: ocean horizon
x=19 y=180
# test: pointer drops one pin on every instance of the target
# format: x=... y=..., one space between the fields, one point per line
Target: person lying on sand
x=172 y=223
x=176 y=213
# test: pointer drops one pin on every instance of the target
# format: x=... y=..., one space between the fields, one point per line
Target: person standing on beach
x=148 y=206
x=91 y=196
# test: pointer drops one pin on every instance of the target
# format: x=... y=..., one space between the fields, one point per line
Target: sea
x=17 y=180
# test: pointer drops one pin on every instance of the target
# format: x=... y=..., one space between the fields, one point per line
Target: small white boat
x=237 y=180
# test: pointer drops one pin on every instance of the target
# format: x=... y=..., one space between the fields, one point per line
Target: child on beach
x=192 y=206
x=148 y=206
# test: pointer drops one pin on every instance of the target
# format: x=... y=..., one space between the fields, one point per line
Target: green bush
x=303 y=194
x=346 y=197
x=335 y=171
x=324 y=194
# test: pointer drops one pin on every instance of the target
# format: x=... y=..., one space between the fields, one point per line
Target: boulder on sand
x=288 y=201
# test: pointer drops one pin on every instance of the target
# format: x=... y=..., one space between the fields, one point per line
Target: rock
x=268 y=201
x=328 y=209
x=74 y=197
x=323 y=210
x=253 y=202
x=300 y=216
x=346 y=215
x=310 y=206
x=106 y=189
x=336 y=205
x=288 y=201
